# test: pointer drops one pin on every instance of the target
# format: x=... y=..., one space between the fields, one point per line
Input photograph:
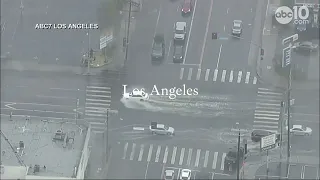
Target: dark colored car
x=158 y=47
x=305 y=46
x=178 y=54
x=186 y=7
x=231 y=159
x=256 y=135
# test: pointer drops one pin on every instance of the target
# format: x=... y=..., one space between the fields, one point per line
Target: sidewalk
x=119 y=58
x=250 y=168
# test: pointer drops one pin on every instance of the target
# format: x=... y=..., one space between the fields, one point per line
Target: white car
x=185 y=174
x=169 y=174
x=136 y=95
x=180 y=30
x=156 y=128
x=237 y=28
x=300 y=130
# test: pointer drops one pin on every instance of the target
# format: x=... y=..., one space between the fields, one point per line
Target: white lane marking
x=269 y=100
x=267 y=118
x=222 y=161
x=270 y=115
x=239 y=77
x=207 y=75
x=189 y=157
x=206 y=156
x=265 y=122
x=96 y=91
x=181 y=73
x=190 y=74
x=264 y=126
x=227 y=10
x=96 y=95
x=97 y=104
x=254 y=80
x=165 y=156
x=187 y=45
x=215 y=158
x=174 y=152
x=223 y=77
x=267 y=104
x=247 y=78
x=125 y=150
x=158 y=154
x=168 y=53
x=198 y=74
x=215 y=75
x=270 y=93
x=98 y=100
x=217 y=66
x=36 y=104
x=62 y=89
x=231 y=76
x=224 y=28
x=138 y=128
x=158 y=18
x=181 y=156
x=98 y=87
x=31 y=110
x=196 y=164
x=206 y=34
x=270 y=112
x=54 y=97
x=98 y=111
x=150 y=152
x=132 y=151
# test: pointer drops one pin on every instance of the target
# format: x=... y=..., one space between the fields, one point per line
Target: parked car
x=300 y=130
x=162 y=129
x=158 y=47
x=237 y=28
x=180 y=31
x=257 y=134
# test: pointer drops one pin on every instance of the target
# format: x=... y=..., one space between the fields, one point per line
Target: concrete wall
x=84 y=156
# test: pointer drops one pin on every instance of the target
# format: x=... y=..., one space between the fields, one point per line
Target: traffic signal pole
x=128 y=32
x=288 y=122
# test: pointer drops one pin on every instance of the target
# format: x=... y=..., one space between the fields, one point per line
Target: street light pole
x=88 y=34
x=238 y=155
x=128 y=32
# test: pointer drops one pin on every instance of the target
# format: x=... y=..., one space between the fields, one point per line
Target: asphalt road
x=24 y=42
x=230 y=53
x=41 y=96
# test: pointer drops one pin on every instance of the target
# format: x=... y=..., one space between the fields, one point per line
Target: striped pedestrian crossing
x=217 y=75
x=98 y=100
x=173 y=155
x=267 y=111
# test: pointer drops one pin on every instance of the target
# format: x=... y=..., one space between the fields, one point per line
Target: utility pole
x=107 y=133
x=281 y=135
x=128 y=32
x=238 y=155
x=288 y=111
x=89 y=58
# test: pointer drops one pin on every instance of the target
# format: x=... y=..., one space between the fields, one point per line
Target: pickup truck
x=156 y=128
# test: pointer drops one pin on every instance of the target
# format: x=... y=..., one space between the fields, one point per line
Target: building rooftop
x=37 y=144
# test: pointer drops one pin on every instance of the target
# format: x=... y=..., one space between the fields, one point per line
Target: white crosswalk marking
x=222 y=161
x=158 y=154
x=98 y=100
x=165 y=156
x=198 y=159
x=190 y=74
x=196 y=164
x=207 y=75
x=247 y=78
x=125 y=151
x=215 y=159
x=189 y=157
x=268 y=107
x=215 y=75
x=198 y=74
x=174 y=152
x=150 y=152
x=223 y=76
x=181 y=73
x=141 y=152
x=206 y=156
x=132 y=152
x=231 y=76
x=239 y=76
x=181 y=156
